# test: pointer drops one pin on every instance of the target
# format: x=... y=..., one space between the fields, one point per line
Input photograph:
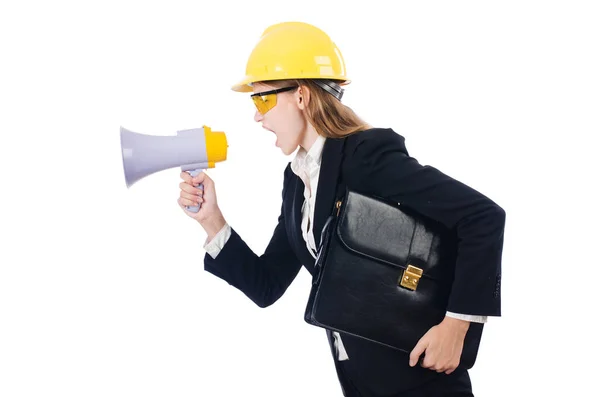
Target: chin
x=287 y=149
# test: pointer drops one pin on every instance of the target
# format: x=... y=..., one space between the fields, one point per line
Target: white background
x=102 y=288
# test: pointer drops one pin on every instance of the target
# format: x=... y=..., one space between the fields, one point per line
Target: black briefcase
x=384 y=274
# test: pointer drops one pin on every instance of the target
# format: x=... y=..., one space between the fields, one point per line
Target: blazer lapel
x=330 y=165
x=330 y=168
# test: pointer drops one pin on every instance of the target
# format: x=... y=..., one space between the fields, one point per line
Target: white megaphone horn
x=193 y=150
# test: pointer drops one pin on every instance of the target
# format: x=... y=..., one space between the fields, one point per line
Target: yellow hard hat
x=293 y=50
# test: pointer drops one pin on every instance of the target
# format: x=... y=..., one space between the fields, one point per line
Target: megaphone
x=194 y=150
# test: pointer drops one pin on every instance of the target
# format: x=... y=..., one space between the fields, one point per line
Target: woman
x=295 y=74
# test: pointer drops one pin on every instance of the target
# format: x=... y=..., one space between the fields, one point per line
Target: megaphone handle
x=193 y=173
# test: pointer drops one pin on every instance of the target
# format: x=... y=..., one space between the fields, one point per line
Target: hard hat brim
x=245 y=85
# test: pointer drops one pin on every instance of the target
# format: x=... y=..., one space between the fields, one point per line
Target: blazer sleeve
x=381 y=165
x=264 y=278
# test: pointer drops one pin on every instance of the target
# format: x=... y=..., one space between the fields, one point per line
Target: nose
x=258 y=116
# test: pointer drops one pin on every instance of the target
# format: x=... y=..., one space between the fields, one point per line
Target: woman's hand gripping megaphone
x=200 y=191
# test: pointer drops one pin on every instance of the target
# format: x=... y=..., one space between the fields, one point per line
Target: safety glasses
x=266 y=100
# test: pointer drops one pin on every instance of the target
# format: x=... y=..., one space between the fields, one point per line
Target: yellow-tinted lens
x=264 y=103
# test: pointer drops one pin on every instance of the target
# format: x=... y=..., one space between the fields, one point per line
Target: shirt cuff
x=215 y=246
x=467 y=317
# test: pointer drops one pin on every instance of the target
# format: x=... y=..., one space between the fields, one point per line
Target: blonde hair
x=329 y=117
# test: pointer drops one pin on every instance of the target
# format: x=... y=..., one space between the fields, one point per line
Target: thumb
x=418 y=350
x=198 y=179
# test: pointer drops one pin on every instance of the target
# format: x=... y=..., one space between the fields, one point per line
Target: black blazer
x=376 y=162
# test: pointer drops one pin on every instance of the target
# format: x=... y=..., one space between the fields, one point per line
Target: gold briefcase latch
x=410 y=277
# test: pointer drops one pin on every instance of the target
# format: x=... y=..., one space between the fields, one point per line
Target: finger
x=194 y=201
x=186 y=177
x=428 y=361
x=183 y=203
x=188 y=188
x=451 y=368
x=191 y=197
x=201 y=178
x=431 y=359
x=417 y=351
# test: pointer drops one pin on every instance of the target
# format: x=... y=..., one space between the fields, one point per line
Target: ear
x=303 y=97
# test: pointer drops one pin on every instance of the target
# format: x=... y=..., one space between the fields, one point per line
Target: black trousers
x=457 y=384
